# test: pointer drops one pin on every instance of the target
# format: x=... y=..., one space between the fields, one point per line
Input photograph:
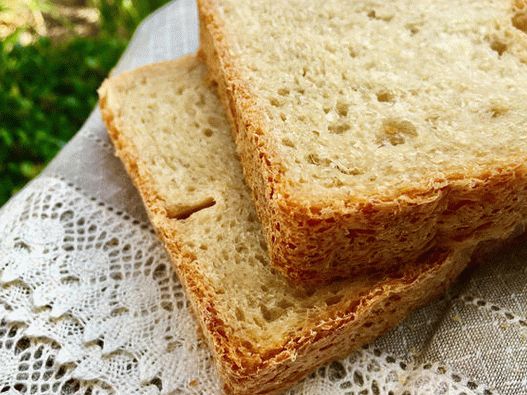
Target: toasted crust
x=333 y=333
x=315 y=242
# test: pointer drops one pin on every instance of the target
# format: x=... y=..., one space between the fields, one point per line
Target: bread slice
x=371 y=131
x=169 y=130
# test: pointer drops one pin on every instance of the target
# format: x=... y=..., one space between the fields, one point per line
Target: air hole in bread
x=342 y=108
x=302 y=118
x=240 y=315
x=270 y=314
x=498 y=46
x=208 y=132
x=413 y=28
x=287 y=142
x=352 y=53
x=283 y=91
x=334 y=183
x=354 y=171
x=275 y=102
x=184 y=211
x=519 y=21
x=498 y=110
x=385 y=96
x=373 y=14
x=315 y=159
x=339 y=127
x=241 y=248
x=395 y=131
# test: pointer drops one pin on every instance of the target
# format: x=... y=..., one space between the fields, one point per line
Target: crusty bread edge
x=307 y=241
x=346 y=326
x=193 y=283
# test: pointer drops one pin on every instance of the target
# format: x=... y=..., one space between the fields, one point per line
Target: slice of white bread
x=370 y=130
x=169 y=130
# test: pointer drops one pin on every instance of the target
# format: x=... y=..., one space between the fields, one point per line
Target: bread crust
x=333 y=333
x=316 y=242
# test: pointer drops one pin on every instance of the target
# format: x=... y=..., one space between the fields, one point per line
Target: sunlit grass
x=49 y=73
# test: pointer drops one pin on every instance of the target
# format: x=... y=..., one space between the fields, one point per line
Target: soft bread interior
x=379 y=97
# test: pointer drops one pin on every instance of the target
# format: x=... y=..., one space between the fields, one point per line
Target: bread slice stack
x=308 y=262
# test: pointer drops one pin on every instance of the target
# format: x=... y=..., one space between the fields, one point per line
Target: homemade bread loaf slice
x=371 y=131
x=171 y=134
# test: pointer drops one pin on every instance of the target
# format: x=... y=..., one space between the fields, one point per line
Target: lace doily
x=89 y=296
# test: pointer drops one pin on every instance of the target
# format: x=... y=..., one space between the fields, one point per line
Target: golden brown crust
x=318 y=242
x=332 y=334
x=200 y=293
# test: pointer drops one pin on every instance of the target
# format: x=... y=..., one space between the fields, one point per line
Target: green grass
x=47 y=92
x=48 y=89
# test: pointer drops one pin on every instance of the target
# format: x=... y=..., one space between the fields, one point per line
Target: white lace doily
x=89 y=303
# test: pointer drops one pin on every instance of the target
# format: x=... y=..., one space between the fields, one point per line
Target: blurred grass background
x=53 y=57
